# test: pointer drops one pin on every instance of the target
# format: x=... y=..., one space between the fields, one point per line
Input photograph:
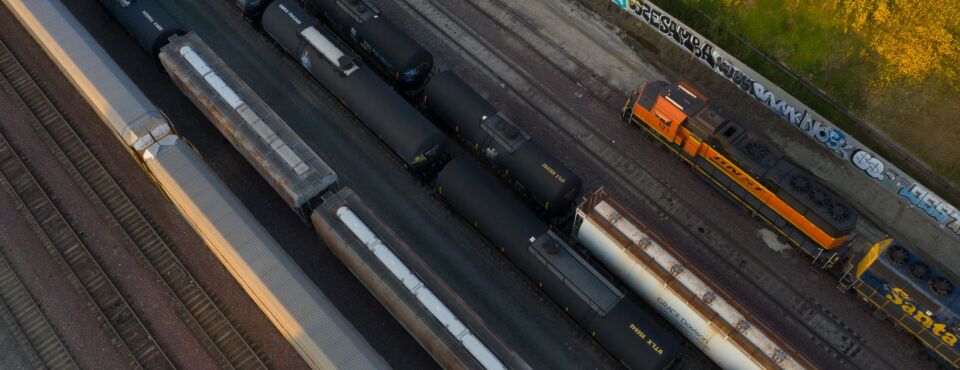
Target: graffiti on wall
x=871 y=165
x=710 y=55
x=933 y=206
x=798 y=115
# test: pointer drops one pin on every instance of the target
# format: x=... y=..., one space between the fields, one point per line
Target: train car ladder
x=847 y=279
x=825 y=259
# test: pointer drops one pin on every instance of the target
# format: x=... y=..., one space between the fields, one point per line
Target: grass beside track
x=851 y=61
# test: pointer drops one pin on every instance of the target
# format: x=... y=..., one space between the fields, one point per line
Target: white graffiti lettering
x=867 y=163
x=802 y=119
x=933 y=206
x=793 y=112
x=832 y=138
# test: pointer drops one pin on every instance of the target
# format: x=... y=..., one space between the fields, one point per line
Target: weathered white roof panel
x=291 y=167
x=317 y=330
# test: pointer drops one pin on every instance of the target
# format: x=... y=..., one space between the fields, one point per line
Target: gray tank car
x=259 y=134
x=418 y=143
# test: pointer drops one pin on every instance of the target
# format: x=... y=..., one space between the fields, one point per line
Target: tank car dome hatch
x=898 y=254
x=919 y=270
x=941 y=286
x=503 y=128
x=552 y=246
x=509 y=131
x=345 y=62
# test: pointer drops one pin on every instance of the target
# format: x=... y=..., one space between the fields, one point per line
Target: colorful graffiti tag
x=796 y=113
x=933 y=206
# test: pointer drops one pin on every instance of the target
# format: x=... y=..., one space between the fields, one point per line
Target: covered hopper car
x=613 y=318
x=113 y=96
x=551 y=185
x=314 y=327
x=432 y=312
x=285 y=294
x=294 y=170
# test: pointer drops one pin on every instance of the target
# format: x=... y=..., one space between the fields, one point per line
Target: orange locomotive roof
x=666 y=110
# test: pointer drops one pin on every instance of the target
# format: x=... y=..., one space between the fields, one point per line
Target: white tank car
x=317 y=330
x=259 y=134
x=99 y=79
x=723 y=330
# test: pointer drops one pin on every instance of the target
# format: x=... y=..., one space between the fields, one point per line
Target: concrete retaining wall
x=913 y=195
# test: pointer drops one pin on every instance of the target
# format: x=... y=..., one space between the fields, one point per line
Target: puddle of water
x=771 y=239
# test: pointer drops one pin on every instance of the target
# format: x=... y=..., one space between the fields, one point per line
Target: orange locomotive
x=746 y=167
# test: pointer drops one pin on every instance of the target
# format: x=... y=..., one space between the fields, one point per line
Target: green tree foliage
x=910 y=39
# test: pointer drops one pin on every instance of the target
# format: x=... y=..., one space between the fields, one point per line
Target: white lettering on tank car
x=149 y=18
x=290 y=14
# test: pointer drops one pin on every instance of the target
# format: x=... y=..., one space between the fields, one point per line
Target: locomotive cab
x=910 y=290
x=663 y=109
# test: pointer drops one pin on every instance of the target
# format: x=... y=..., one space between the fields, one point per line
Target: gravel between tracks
x=60 y=301
x=707 y=229
x=147 y=296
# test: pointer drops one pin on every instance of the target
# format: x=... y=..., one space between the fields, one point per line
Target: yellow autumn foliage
x=911 y=39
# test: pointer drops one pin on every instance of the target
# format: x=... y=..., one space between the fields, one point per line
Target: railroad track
x=128 y=333
x=23 y=315
x=594 y=84
x=198 y=309
x=829 y=334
